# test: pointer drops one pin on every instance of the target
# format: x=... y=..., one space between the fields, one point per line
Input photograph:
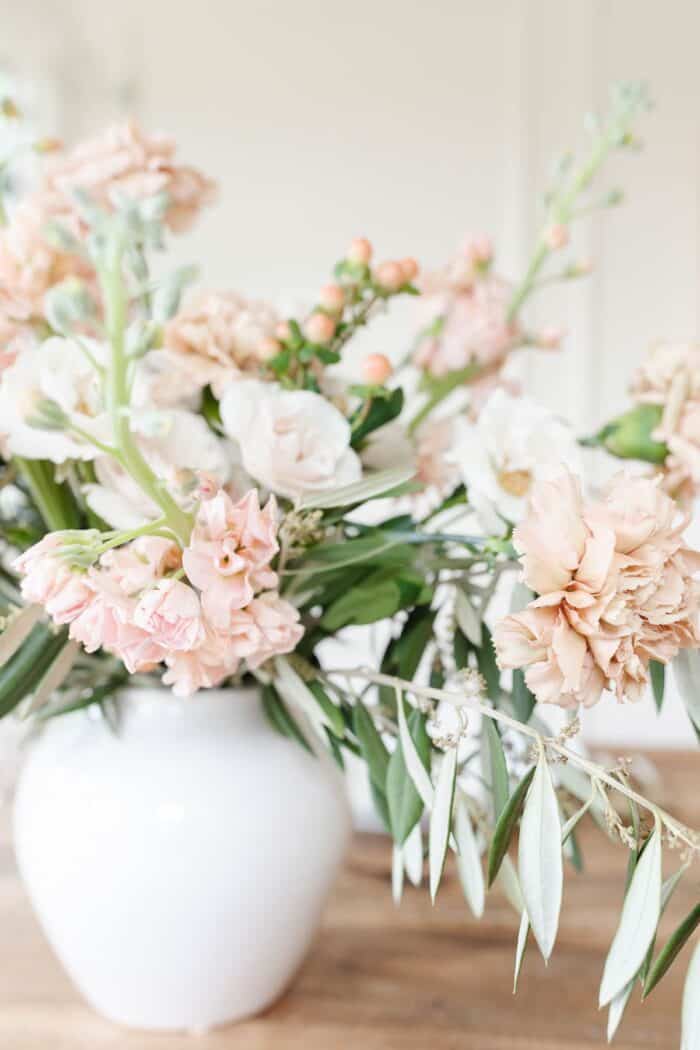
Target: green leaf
x=371 y=487
x=471 y=876
x=333 y=714
x=671 y=949
x=468 y=618
x=372 y=746
x=498 y=770
x=630 y=435
x=691 y=1005
x=441 y=819
x=686 y=669
x=540 y=858
x=279 y=717
x=617 y=1009
x=640 y=916
x=523 y=700
x=54 y=500
x=405 y=804
x=658 y=675
x=520 y=947
x=365 y=603
x=505 y=826
x=23 y=672
x=486 y=662
x=377 y=413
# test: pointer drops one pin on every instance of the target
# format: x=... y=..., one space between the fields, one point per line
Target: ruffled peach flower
x=465 y=307
x=615 y=586
x=229 y=553
x=48 y=580
x=218 y=335
x=205 y=667
x=171 y=614
x=124 y=161
x=268 y=627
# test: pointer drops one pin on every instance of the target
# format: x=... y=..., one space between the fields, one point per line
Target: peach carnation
x=125 y=161
x=615 y=586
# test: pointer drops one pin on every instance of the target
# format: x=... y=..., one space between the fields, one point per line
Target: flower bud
x=557 y=236
x=319 y=328
x=283 y=331
x=268 y=348
x=549 y=338
x=409 y=268
x=376 y=369
x=632 y=435
x=389 y=276
x=332 y=298
x=360 y=250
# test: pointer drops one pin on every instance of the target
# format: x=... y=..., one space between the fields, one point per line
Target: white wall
x=412 y=124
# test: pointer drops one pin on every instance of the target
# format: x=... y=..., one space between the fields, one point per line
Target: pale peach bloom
x=124 y=161
x=171 y=614
x=106 y=623
x=136 y=566
x=207 y=666
x=268 y=627
x=219 y=335
x=436 y=467
x=229 y=553
x=615 y=585
x=48 y=580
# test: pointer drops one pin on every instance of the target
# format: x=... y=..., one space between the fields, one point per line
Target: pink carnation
x=269 y=626
x=170 y=613
x=202 y=668
x=229 y=553
x=615 y=586
x=48 y=580
x=124 y=161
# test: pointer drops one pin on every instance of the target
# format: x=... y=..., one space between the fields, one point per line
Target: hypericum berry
x=268 y=348
x=549 y=338
x=376 y=369
x=390 y=276
x=557 y=236
x=332 y=298
x=409 y=268
x=283 y=331
x=360 y=250
x=319 y=328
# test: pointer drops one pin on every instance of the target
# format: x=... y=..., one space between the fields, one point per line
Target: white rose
x=514 y=442
x=55 y=370
x=291 y=441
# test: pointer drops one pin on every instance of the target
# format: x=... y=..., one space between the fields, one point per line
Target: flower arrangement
x=194 y=490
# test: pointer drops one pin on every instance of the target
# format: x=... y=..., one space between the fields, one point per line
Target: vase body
x=178 y=865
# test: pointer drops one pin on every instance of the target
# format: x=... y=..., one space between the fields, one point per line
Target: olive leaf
x=469 y=868
x=505 y=826
x=441 y=819
x=540 y=858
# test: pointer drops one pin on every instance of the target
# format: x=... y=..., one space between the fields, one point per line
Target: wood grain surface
x=382 y=978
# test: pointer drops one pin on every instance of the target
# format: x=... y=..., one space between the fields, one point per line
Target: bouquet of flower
x=194 y=490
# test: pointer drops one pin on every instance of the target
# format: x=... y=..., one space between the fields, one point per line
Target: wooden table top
x=382 y=978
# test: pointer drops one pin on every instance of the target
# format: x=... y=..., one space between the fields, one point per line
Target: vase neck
x=157 y=710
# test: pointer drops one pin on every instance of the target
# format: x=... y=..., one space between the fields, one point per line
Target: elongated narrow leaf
x=297 y=693
x=523 y=700
x=414 y=761
x=540 y=860
x=413 y=856
x=510 y=884
x=686 y=670
x=640 y=916
x=397 y=874
x=369 y=488
x=658 y=677
x=280 y=718
x=498 y=770
x=520 y=947
x=505 y=826
x=54 y=678
x=372 y=746
x=690 y=1039
x=333 y=714
x=471 y=875
x=671 y=949
x=468 y=618
x=667 y=891
x=17 y=628
x=617 y=1009
x=404 y=801
x=441 y=819
x=573 y=821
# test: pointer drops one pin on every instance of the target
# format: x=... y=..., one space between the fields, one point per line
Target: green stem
x=54 y=501
x=441 y=389
x=117 y=390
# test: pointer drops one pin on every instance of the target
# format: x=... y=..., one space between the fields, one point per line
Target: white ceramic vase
x=179 y=865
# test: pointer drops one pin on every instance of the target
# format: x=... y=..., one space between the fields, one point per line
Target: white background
x=412 y=123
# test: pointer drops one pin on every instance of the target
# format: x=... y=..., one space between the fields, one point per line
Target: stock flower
x=513 y=443
x=229 y=553
x=465 y=311
x=268 y=627
x=58 y=371
x=218 y=335
x=202 y=668
x=124 y=161
x=292 y=441
x=171 y=614
x=48 y=580
x=137 y=565
x=615 y=586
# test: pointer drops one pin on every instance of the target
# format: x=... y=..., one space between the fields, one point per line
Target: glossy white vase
x=179 y=866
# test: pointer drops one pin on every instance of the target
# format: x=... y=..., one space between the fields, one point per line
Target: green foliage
x=405 y=804
x=374 y=413
x=505 y=826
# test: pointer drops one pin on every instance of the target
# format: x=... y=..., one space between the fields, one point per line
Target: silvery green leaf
x=54 y=677
x=468 y=618
x=17 y=629
x=508 y=878
x=686 y=669
x=540 y=859
x=397 y=874
x=441 y=818
x=471 y=875
x=573 y=820
x=295 y=691
x=640 y=916
x=414 y=766
x=166 y=298
x=690 y=1039
x=520 y=947
x=520 y=596
x=373 y=485
x=413 y=856
x=617 y=1009
x=576 y=783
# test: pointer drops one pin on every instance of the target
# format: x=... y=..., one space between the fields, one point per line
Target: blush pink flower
x=229 y=553
x=615 y=585
x=139 y=564
x=48 y=580
x=125 y=161
x=171 y=614
x=207 y=666
x=268 y=627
